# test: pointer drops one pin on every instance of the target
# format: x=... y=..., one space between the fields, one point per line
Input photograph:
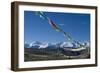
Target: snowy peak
x=69 y=44
x=66 y=44
x=86 y=44
x=47 y=45
x=39 y=45
x=26 y=45
x=35 y=44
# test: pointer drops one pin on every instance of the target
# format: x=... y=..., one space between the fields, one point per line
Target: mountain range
x=54 y=51
x=39 y=45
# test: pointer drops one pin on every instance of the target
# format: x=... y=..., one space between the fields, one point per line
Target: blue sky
x=38 y=29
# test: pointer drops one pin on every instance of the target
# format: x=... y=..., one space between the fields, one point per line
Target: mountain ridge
x=39 y=45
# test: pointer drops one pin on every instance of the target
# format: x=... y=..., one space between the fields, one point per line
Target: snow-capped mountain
x=39 y=45
x=66 y=44
x=66 y=48
x=47 y=45
x=86 y=44
x=26 y=45
x=43 y=45
x=69 y=44
x=35 y=44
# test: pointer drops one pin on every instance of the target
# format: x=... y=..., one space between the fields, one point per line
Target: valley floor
x=40 y=55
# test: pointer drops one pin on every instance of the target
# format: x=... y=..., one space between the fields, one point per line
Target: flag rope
x=58 y=29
